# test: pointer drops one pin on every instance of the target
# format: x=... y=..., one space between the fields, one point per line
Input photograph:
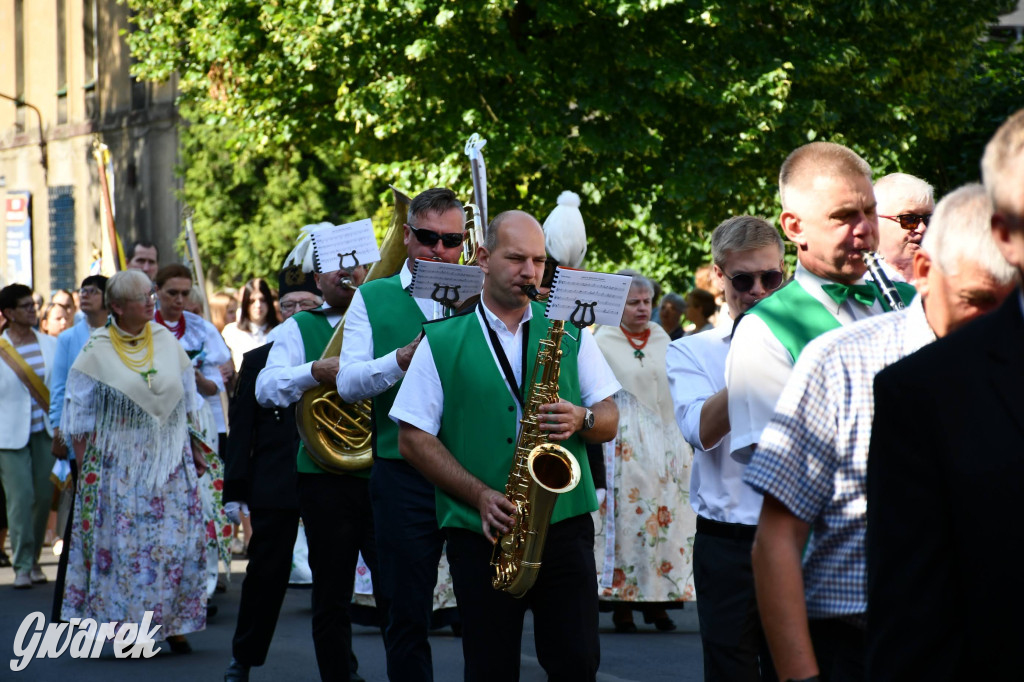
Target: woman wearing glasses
x=137 y=543
x=256 y=318
x=645 y=527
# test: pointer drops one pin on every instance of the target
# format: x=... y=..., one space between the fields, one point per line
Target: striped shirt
x=33 y=357
x=813 y=455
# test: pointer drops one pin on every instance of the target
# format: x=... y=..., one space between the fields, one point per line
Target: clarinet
x=882 y=281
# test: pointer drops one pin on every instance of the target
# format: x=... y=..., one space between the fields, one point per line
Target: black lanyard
x=506 y=367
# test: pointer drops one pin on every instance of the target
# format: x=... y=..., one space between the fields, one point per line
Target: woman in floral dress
x=645 y=526
x=138 y=543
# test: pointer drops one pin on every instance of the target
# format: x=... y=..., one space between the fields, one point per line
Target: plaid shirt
x=813 y=456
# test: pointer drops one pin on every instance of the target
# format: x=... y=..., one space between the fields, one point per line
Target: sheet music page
x=587 y=297
x=446 y=283
x=350 y=244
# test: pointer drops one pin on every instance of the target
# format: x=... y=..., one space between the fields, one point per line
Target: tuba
x=337 y=434
x=540 y=472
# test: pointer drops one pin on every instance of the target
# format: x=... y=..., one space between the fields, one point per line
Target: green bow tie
x=864 y=294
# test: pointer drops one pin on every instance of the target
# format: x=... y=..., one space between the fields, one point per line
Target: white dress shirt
x=287 y=375
x=696 y=371
x=360 y=375
x=420 y=400
x=758 y=365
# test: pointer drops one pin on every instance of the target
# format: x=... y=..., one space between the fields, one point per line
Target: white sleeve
x=597 y=381
x=360 y=375
x=690 y=386
x=420 y=399
x=286 y=375
x=756 y=371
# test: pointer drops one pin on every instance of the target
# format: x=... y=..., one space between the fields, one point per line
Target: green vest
x=316 y=333
x=795 y=317
x=479 y=426
x=395 y=320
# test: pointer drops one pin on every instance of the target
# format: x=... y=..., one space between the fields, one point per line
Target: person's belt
x=729 y=531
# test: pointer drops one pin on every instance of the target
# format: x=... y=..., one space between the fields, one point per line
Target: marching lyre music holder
x=585 y=298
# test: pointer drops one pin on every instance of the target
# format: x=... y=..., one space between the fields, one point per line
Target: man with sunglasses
x=905 y=205
x=382 y=330
x=811 y=462
x=747 y=264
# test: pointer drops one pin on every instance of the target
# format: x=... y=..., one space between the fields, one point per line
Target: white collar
x=496 y=322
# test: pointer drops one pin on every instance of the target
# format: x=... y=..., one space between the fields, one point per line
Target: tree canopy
x=667 y=117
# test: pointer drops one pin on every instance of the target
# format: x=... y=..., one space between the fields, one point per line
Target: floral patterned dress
x=645 y=526
x=138 y=542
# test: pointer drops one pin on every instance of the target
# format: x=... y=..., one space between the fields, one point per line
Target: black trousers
x=735 y=649
x=409 y=546
x=840 y=649
x=62 y=562
x=563 y=601
x=339 y=525
x=266 y=580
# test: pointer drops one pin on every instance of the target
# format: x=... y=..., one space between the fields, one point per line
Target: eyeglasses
x=88 y=291
x=301 y=304
x=744 y=281
x=428 y=237
x=910 y=221
x=27 y=306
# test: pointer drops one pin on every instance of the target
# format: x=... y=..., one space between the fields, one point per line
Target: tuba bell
x=337 y=434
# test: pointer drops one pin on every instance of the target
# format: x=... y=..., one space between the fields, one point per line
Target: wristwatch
x=588 y=419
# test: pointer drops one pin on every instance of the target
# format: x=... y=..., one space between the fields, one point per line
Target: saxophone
x=540 y=472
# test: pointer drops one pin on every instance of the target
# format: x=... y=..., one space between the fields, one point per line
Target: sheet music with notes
x=446 y=283
x=344 y=246
x=584 y=298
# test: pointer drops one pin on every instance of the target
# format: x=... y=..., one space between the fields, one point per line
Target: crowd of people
x=816 y=458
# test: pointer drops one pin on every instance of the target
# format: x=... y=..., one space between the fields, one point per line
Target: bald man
x=459 y=429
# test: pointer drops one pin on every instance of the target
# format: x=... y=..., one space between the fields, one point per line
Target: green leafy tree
x=666 y=116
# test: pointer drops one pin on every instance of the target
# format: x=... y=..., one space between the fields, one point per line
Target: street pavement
x=647 y=656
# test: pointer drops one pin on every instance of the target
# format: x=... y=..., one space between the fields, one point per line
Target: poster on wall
x=18 y=218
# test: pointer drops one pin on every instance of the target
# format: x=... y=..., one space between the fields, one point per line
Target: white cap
x=565 y=235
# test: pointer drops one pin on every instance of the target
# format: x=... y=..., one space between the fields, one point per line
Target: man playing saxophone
x=458 y=412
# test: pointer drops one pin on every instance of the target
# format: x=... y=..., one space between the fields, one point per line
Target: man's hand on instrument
x=561 y=419
x=494 y=509
x=404 y=354
x=326 y=371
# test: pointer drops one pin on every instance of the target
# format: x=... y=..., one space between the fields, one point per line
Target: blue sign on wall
x=18 y=216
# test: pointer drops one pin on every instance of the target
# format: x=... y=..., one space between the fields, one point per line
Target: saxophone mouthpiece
x=531 y=292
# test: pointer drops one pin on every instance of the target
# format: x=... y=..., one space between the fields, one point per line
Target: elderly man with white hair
x=905 y=205
x=811 y=461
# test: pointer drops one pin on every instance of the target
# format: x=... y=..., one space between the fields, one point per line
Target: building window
x=62 y=237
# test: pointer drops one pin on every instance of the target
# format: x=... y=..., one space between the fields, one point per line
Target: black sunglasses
x=910 y=221
x=744 y=281
x=428 y=237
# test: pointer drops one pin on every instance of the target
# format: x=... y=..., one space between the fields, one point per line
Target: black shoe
x=236 y=672
x=5 y=560
x=625 y=627
x=660 y=620
x=179 y=645
x=211 y=611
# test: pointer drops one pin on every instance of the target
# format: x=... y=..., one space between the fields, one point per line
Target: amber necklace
x=637 y=341
x=135 y=356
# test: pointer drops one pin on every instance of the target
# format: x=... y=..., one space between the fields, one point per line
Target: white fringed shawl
x=144 y=428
